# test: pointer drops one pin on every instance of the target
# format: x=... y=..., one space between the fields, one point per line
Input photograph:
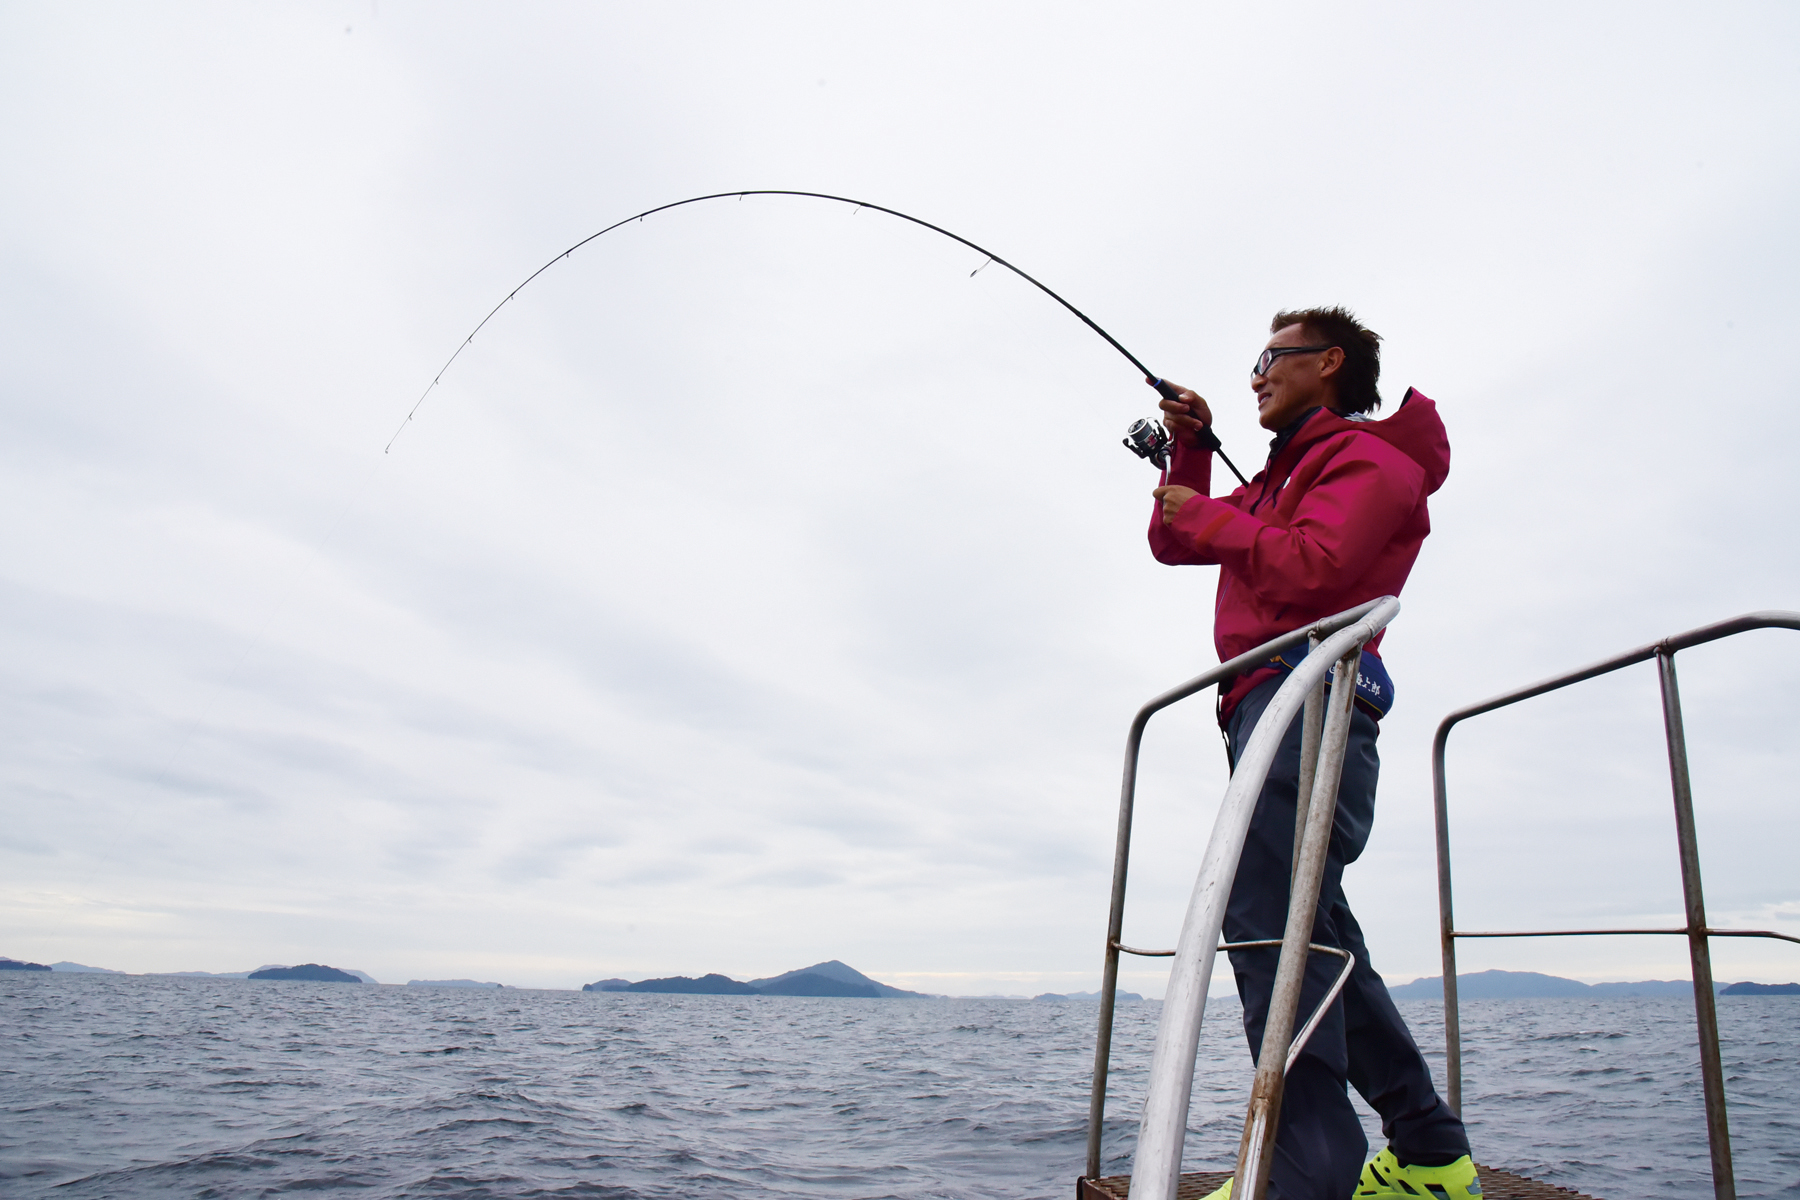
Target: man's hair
x=1338 y=326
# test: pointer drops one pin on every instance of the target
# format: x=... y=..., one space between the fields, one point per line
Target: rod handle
x=1206 y=437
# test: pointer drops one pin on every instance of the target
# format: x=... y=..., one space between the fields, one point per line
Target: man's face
x=1295 y=382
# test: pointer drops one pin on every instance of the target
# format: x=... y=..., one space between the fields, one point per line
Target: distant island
x=821 y=979
x=1762 y=989
x=308 y=971
x=1530 y=985
x=462 y=983
x=836 y=979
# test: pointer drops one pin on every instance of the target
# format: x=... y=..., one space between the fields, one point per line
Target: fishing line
x=1206 y=434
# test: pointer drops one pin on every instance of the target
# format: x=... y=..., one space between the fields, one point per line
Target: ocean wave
x=118 y=1090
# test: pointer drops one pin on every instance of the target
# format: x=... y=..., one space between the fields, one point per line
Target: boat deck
x=1495 y=1185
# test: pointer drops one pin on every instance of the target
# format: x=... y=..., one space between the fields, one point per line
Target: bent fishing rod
x=1146 y=439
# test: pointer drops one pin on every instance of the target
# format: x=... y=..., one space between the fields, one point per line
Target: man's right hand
x=1185 y=415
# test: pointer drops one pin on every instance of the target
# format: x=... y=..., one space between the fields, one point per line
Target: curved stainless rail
x=1337 y=643
x=1696 y=930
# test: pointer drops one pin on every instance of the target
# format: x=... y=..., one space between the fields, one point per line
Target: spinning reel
x=1148 y=439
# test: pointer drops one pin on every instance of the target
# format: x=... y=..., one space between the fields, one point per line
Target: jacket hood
x=1415 y=430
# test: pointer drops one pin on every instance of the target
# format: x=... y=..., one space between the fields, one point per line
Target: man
x=1335 y=517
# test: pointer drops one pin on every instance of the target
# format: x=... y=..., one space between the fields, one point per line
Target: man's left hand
x=1173 y=497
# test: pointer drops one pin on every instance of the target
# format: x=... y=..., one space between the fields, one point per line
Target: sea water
x=121 y=1086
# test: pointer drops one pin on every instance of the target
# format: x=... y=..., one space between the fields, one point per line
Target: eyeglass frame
x=1269 y=357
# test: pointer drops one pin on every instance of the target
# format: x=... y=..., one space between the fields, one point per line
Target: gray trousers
x=1363 y=1042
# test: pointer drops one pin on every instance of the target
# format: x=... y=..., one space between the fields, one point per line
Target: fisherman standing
x=1335 y=518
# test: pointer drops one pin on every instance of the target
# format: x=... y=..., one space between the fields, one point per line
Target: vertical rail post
x=1447 y=925
x=1312 y=722
x=1706 y=1013
x=1115 y=929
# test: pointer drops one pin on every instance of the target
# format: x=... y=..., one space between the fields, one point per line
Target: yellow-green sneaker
x=1384 y=1178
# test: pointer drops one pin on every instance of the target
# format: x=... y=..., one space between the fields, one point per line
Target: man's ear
x=1331 y=362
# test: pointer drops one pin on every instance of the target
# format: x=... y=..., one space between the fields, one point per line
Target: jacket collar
x=1286 y=435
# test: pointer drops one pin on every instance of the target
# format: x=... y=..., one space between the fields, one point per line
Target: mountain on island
x=1762 y=989
x=1058 y=997
x=1492 y=985
x=852 y=981
x=309 y=971
x=821 y=979
x=13 y=964
x=364 y=976
x=711 y=984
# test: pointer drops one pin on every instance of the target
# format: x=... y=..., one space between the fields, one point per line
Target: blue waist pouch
x=1374 y=690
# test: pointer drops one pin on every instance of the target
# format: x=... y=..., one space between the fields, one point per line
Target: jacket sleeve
x=1348 y=513
x=1189 y=466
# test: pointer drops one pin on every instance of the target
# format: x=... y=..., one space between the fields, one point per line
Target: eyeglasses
x=1269 y=356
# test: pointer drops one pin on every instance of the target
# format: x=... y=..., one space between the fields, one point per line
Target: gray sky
x=760 y=587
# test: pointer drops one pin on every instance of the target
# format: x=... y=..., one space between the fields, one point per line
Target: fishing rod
x=1146 y=439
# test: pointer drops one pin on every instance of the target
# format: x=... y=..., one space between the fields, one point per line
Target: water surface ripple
x=121 y=1086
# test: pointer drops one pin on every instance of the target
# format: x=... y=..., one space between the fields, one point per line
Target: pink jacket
x=1335 y=518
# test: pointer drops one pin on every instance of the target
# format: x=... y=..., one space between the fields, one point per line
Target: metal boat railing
x=1335 y=645
x=1696 y=930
